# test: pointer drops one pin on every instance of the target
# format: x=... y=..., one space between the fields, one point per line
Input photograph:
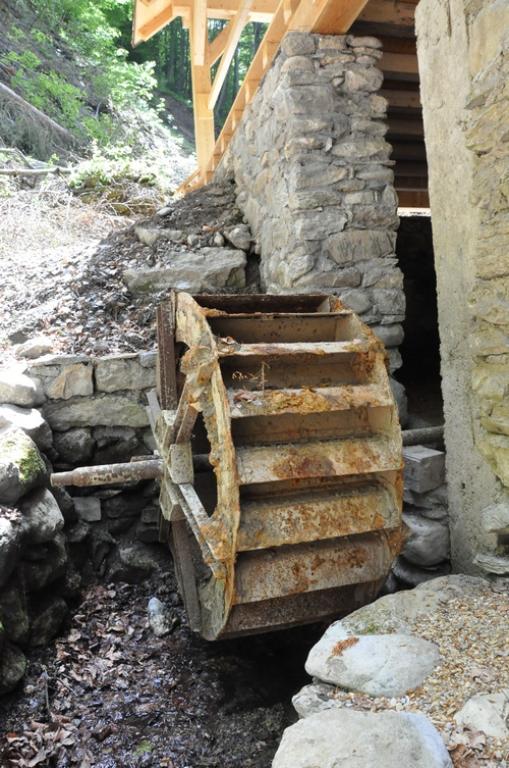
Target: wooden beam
x=234 y=32
x=397 y=12
x=199 y=31
x=338 y=16
x=217 y=46
x=401 y=127
x=400 y=99
x=149 y=20
x=415 y=198
x=203 y=115
x=399 y=64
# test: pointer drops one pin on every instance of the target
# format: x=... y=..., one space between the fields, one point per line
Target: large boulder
x=351 y=739
x=117 y=372
x=379 y=665
x=42 y=518
x=21 y=466
x=30 y=421
x=205 y=270
x=16 y=388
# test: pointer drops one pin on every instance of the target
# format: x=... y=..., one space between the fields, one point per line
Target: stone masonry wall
x=467 y=140
x=315 y=182
x=56 y=413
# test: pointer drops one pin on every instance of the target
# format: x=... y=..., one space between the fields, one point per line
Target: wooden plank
x=396 y=12
x=166 y=364
x=234 y=32
x=399 y=64
x=413 y=199
x=401 y=99
x=400 y=126
x=217 y=46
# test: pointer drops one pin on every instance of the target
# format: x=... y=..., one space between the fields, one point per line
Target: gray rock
x=100 y=410
x=75 y=380
x=362 y=79
x=148 y=359
x=11 y=534
x=297 y=44
x=18 y=389
x=13 y=666
x=398 y=390
x=33 y=348
x=412 y=575
x=486 y=712
x=314 y=698
x=428 y=501
x=205 y=270
x=66 y=504
x=47 y=621
x=147 y=235
x=492 y=563
x=159 y=618
x=21 y=466
x=42 y=518
x=391 y=335
x=38 y=574
x=354 y=245
x=338 y=738
x=124 y=505
x=30 y=421
x=121 y=372
x=88 y=508
x=428 y=541
x=495 y=518
x=379 y=665
x=75 y=446
x=13 y=612
x=78 y=533
x=148 y=533
x=240 y=237
x=135 y=562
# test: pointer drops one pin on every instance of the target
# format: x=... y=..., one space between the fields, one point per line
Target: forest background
x=73 y=60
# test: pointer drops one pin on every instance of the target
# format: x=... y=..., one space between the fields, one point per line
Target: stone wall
x=314 y=179
x=465 y=117
x=60 y=412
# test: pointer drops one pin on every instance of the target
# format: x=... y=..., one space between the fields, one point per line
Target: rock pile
x=103 y=300
x=426 y=553
x=420 y=677
x=36 y=577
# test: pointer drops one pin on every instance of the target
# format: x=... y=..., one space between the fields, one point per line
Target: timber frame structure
x=392 y=21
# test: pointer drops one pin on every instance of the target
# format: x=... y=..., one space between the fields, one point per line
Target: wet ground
x=110 y=694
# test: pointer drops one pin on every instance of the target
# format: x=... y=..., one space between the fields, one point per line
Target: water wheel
x=282 y=469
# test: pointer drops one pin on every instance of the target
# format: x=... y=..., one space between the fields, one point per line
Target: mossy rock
x=21 y=466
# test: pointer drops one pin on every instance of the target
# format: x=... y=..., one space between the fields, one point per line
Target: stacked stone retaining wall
x=315 y=182
x=57 y=413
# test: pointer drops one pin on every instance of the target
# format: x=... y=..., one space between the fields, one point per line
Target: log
x=37 y=114
x=108 y=474
x=33 y=171
x=423 y=435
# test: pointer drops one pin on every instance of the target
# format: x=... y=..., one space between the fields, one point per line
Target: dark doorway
x=420 y=350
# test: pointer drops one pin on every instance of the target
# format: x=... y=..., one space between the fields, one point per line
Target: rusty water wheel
x=282 y=459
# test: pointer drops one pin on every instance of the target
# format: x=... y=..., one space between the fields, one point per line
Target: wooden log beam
x=202 y=113
x=399 y=13
x=217 y=46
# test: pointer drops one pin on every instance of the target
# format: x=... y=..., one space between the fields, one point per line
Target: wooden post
x=200 y=76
